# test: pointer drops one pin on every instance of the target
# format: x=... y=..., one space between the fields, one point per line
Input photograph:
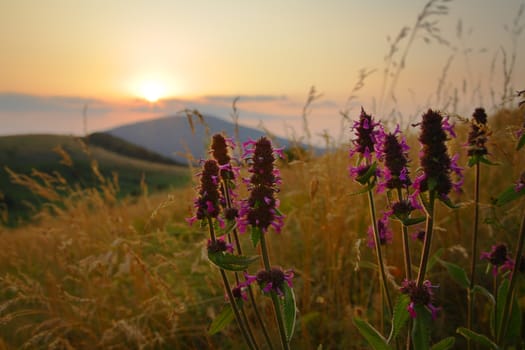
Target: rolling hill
x=45 y=153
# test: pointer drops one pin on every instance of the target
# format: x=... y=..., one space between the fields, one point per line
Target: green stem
x=229 y=204
x=425 y=255
x=275 y=298
x=406 y=248
x=379 y=256
x=514 y=277
x=231 y=298
x=474 y=254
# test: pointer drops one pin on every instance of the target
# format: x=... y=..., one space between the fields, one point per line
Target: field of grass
x=73 y=160
x=130 y=273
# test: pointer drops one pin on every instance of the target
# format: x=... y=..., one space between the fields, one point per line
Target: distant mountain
x=173 y=136
x=117 y=145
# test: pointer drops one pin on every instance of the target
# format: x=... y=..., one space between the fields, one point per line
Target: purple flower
x=260 y=209
x=385 y=235
x=239 y=293
x=272 y=280
x=478 y=135
x=423 y=295
x=366 y=132
x=394 y=153
x=498 y=258
x=435 y=161
x=220 y=245
x=207 y=203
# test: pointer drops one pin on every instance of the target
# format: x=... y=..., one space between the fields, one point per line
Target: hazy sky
x=269 y=51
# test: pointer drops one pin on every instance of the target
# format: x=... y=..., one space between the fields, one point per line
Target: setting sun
x=152 y=91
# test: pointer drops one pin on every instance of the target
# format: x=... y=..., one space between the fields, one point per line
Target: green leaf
x=457 y=273
x=256 y=235
x=448 y=203
x=289 y=310
x=486 y=161
x=232 y=225
x=432 y=183
x=500 y=302
x=483 y=291
x=513 y=332
x=372 y=336
x=365 y=178
x=400 y=316
x=444 y=344
x=509 y=195
x=521 y=142
x=421 y=328
x=473 y=160
x=222 y=320
x=477 y=338
x=231 y=262
x=413 y=221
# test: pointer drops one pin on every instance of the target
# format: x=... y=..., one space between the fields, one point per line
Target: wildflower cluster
x=478 y=135
x=422 y=295
x=272 y=280
x=261 y=209
x=366 y=132
x=394 y=153
x=435 y=161
x=207 y=203
x=499 y=258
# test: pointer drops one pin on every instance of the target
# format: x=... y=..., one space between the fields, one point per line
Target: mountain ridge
x=173 y=136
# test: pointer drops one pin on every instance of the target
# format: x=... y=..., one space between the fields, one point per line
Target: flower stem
x=275 y=298
x=474 y=255
x=514 y=277
x=406 y=248
x=229 y=204
x=379 y=256
x=425 y=255
x=249 y=340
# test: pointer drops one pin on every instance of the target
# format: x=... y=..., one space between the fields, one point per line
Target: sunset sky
x=59 y=55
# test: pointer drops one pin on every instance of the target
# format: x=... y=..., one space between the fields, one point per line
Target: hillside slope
x=73 y=160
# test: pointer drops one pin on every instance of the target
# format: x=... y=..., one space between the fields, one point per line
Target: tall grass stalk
x=429 y=226
x=474 y=252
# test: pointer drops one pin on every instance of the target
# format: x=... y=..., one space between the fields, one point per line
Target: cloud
x=245 y=98
x=25 y=103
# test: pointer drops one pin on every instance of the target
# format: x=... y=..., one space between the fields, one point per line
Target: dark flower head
x=420 y=235
x=219 y=150
x=231 y=213
x=260 y=210
x=395 y=155
x=207 y=203
x=478 y=135
x=423 y=295
x=435 y=161
x=499 y=258
x=365 y=130
x=220 y=245
x=239 y=293
x=402 y=209
x=272 y=280
x=385 y=235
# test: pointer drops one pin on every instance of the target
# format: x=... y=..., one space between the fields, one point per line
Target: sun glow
x=152 y=91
